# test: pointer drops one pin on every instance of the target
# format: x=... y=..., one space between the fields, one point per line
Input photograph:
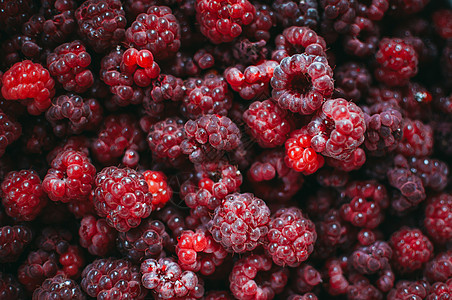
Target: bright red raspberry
x=23 y=195
x=302 y=82
x=353 y=80
x=409 y=290
x=158 y=187
x=439 y=268
x=96 y=235
x=10 y=131
x=290 y=238
x=438 y=218
x=222 y=21
x=240 y=222
x=58 y=288
x=123 y=197
x=13 y=240
x=31 y=84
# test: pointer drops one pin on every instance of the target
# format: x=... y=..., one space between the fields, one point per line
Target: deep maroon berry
x=354 y=162
x=58 y=287
x=440 y=290
x=10 y=131
x=14 y=13
x=264 y=20
x=407 y=7
x=38 y=266
x=10 y=288
x=306 y=278
x=352 y=80
x=300 y=13
x=439 y=268
x=164 y=93
x=165 y=138
x=96 y=235
x=409 y=290
x=438 y=218
x=13 y=240
x=371 y=259
x=410 y=189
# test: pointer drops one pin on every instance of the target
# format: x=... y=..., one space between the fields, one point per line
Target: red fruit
x=438 y=218
x=158 y=187
x=353 y=80
x=9 y=131
x=96 y=235
x=409 y=290
x=354 y=162
x=306 y=278
x=38 y=266
x=411 y=191
x=10 y=288
x=442 y=20
x=440 y=290
x=439 y=268
x=165 y=138
x=58 y=287
x=13 y=240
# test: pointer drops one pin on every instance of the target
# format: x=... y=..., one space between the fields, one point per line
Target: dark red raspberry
x=299 y=13
x=165 y=138
x=168 y=281
x=407 y=7
x=222 y=21
x=10 y=288
x=306 y=278
x=59 y=287
x=163 y=89
x=442 y=20
x=410 y=189
x=247 y=52
x=218 y=295
x=101 y=23
x=106 y=278
x=82 y=208
x=209 y=95
x=10 y=131
x=439 y=268
x=204 y=59
x=397 y=62
x=290 y=238
x=440 y=290
x=264 y=20
x=272 y=179
x=14 y=13
x=338 y=16
x=433 y=172
x=174 y=220
x=70 y=177
x=123 y=197
x=157 y=30
x=240 y=222
x=337 y=283
x=337 y=129
x=251 y=82
x=363 y=37
x=295 y=40
x=373 y=10
x=409 y=290
x=198 y=252
x=72 y=262
x=118 y=134
x=302 y=82
x=371 y=259
x=96 y=235
x=158 y=187
x=23 y=195
x=13 y=240
x=411 y=249
x=209 y=136
x=417 y=139
x=77 y=143
x=354 y=162
x=361 y=288
x=249 y=279
x=438 y=218
x=38 y=266
x=332 y=178
x=31 y=84
x=352 y=81
x=307 y=296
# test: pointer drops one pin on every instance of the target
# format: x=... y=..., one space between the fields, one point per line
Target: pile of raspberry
x=226 y=149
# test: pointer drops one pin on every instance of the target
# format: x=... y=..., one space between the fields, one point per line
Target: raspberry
x=264 y=20
x=438 y=218
x=417 y=139
x=363 y=37
x=14 y=13
x=306 y=278
x=354 y=162
x=409 y=289
x=341 y=13
x=332 y=178
x=337 y=129
x=222 y=21
x=123 y=197
x=118 y=134
x=295 y=40
x=440 y=290
x=209 y=95
x=439 y=268
x=10 y=288
x=247 y=52
x=106 y=278
x=300 y=13
x=10 y=131
x=352 y=81
x=442 y=20
x=337 y=282
x=407 y=7
x=157 y=30
x=158 y=186
x=38 y=266
x=70 y=177
x=248 y=280
x=251 y=82
x=411 y=249
x=373 y=10
x=59 y=287
x=198 y=252
x=410 y=189
x=168 y=281
x=96 y=235
x=302 y=82
x=307 y=296
x=31 y=84
x=13 y=240
x=165 y=138
x=101 y=23
x=174 y=221
x=208 y=136
x=290 y=237
x=23 y=196
x=272 y=179
x=433 y=173
x=240 y=222
x=371 y=259
x=360 y=288
x=165 y=87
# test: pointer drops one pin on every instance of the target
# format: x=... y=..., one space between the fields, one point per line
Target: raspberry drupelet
x=440 y=290
x=442 y=20
x=96 y=235
x=438 y=218
x=30 y=83
x=158 y=186
x=433 y=172
x=371 y=259
x=10 y=288
x=69 y=64
x=157 y=30
x=165 y=138
x=59 y=287
x=13 y=240
x=354 y=162
x=163 y=95
x=306 y=278
x=300 y=13
x=417 y=139
x=409 y=290
x=352 y=81
x=439 y=268
x=168 y=281
x=101 y=23
x=290 y=238
x=10 y=131
x=38 y=266
x=410 y=190
x=14 y=13
x=302 y=82
x=407 y=7
x=108 y=277
x=222 y=21
x=264 y=20
x=23 y=195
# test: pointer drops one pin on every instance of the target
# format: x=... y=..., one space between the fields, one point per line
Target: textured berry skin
x=354 y=162
x=13 y=240
x=438 y=218
x=411 y=249
x=397 y=62
x=14 y=13
x=302 y=82
x=38 y=266
x=122 y=196
x=247 y=284
x=442 y=20
x=240 y=222
x=371 y=259
x=340 y=16
x=337 y=282
x=410 y=189
x=70 y=177
x=263 y=21
x=101 y=23
x=267 y=123
x=337 y=129
x=222 y=21
x=69 y=63
x=417 y=139
x=10 y=131
x=290 y=237
x=10 y=288
x=165 y=138
x=303 y=13
x=439 y=268
x=407 y=7
x=23 y=195
x=163 y=89
x=58 y=287
x=158 y=186
x=440 y=290
x=168 y=281
x=409 y=290
x=361 y=288
x=96 y=235
x=107 y=277
x=157 y=30
x=31 y=83
x=352 y=80
x=306 y=278
x=363 y=37
x=433 y=172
